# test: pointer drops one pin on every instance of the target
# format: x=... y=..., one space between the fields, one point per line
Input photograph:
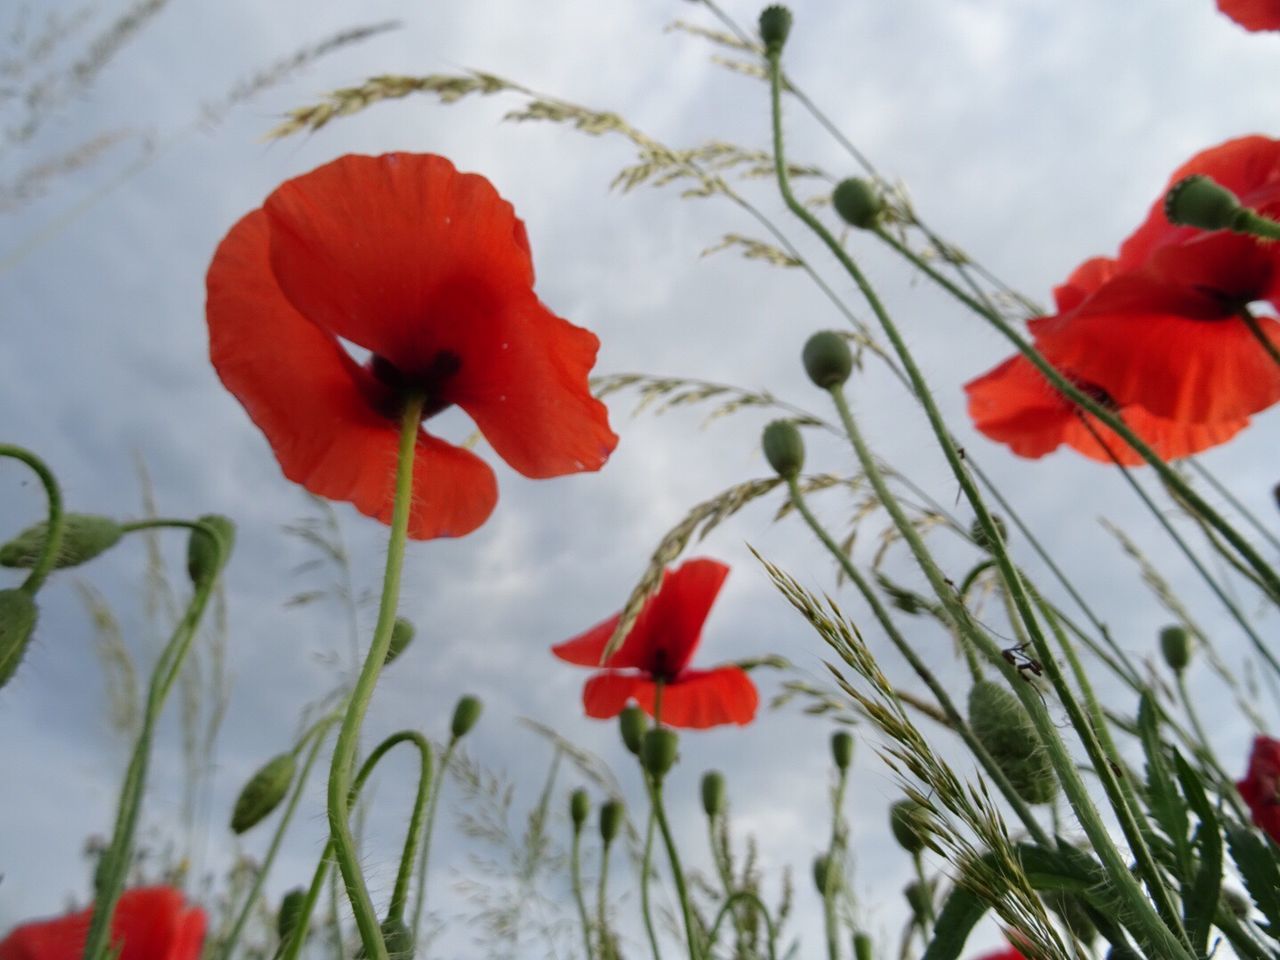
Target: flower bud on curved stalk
x=821 y=868
x=713 y=791
x=396 y=937
x=859 y=203
x=633 y=723
x=827 y=359
x=263 y=793
x=611 y=813
x=784 y=448
x=658 y=751
x=579 y=809
x=84 y=536
x=1002 y=725
x=290 y=912
x=910 y=825
x=979 y=535
x=862 y=946
x=203 y=558
x=842 y=749
x=1175 y=646
x=17 y=623
x=465 y=716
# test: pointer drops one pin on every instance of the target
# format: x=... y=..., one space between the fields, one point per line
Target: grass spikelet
x=660 y=394
x=753 y=249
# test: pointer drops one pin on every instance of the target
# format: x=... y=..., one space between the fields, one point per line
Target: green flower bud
x=202 y=557
x=633 y=723
x=401 y=637
x=17 y=624
x=775 y=27
x=263 y=792
x=842 y=749
x=579 y=809
x=658 y=751
x=827 y=359
x=1175 y=644
x=84 y=536
x=1198 y=201
x=858 y=202
x=290 y=912
x=611 y=813
x=821 y=877
x=465 y=716
x=713 y=793
x=979 y=536
x=396 y=937
x=1002 y=725
x=910 y=825
x=919 y=897
x=783 y=448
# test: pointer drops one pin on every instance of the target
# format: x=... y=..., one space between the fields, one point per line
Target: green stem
x=1223 y=491
x=727 y=908
x=691 y=933
x=646 y=869
x=721 y=859
x=835 y=852
x=575 y=869
x=1202 y=740
x=344 y=753
x=420 y=901
x=400 y=893
x=926 y=897
x=53 y=535
x=602 y=916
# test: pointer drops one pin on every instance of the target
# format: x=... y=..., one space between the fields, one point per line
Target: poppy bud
x=979 y=536
x=1198 y=201
x=17 y=623
x=712 y=792
x=290 y=912
x=827 y=359
x=1175 y=644
x=842 y=749
x=633 y=724
x=861 y=946
x=579 y=808
x=658 y=751
x=396 y=938
x=263 y=792
x=1002 y=725
x=203 y=558
x=783 y=448
x=910 y=825
x=821 y=865
x=858 y=202
x=610 y=820
x=401 y=637
x=775 y=27
x=919 y=897
x=84 y=536
x=465 y=716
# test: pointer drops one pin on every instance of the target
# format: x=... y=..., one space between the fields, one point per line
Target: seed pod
x=633 y=723
x=919 y=897
x=783 y=448
x=465 y=716
x=820 y=877
x=84 y=536
x=579 y=809
x=1175 y=645
x=290 y=912
x=611 y=813
x=858 y=202
x=401 y=637
x=775 y=27
x=979 y=536
x=658 y=751
x=202 y=557
x=827 y=359
x=263 y=793
x=1198 y=201
x=17 y=624
x=909 y=823
x=1002 y=725
x=842 y=749
x=713 y=793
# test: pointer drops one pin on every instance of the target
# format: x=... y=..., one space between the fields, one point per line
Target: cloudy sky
x=1035 y=134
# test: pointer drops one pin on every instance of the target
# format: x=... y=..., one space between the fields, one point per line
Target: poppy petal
x=696 y=699
x=606 y=694
x=150 y=923
x=1253 y=14
x=1086 y=279
x=311 y=400
x=587 y=648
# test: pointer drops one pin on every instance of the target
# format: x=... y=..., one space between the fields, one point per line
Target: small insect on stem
x=1025 y=664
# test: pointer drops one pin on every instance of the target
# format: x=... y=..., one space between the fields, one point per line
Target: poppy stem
x=728 y=908
x=605 y=951
x=53 y=535
x=691 y=933
x=646 y=870
x=833 y=874
x=420 y=901
x=575 y=872
x=344 y=753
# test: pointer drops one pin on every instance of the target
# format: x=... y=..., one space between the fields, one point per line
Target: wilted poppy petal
x=396 y=252
x=708 y=698
x=1253 y=14
x=312 y=401
x=150 y=923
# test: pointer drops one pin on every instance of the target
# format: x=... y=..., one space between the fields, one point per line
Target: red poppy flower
x=658 y=650
x=1261 y=786
x=150 y=923
x=428 y=270
x=1253 y=14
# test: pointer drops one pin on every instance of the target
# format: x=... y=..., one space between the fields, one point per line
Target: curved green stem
x=344 y=753
x=420 y=901
x=691 y=933
x=732 y=901
x=721 y=859
x=53 y=536
x=400 y=893
x=1223 y=491
x=575 y=869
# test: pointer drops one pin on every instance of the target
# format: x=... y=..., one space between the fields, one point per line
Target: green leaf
x=1200 y=899
x=1260 y=871
x=959 y=916
x=1163 y=799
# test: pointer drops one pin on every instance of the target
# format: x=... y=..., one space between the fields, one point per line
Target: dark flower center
x=431 y=382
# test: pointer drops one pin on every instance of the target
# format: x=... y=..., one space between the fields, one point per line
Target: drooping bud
x=1199 y=201
x=862 y=946
x=1002 y=725
x=84 y=536
x=396 y=937
x=17 y=624
x=579 y=809
x=611 y=813
x=858 y=202
x=263 y=793
x=202 y=556
x=633 y=723
x=823 y=875
x=658 y=751
x=919 y=898
x=784 y=448
x=401 y=637
x=465 y=716
x=827 y=359
x=910 y=825
x=842 y=749
x=713 y=791
x=290 y=912
x=1175 y=645
x=979 y=535
x=775 y=27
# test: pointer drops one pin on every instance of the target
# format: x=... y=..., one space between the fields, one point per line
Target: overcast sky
x=1033 y=133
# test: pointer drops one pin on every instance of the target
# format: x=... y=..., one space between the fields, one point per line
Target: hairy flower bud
x=713 y=791
x=858 y=202
x=658 y=751
x=783 y=448
x=827 y=359
x=1199 y=201
x=263 y=793
x=842 y=749
x=775 y=27
x=202 y=556
x=910 y=825
x=84 y=536
x=579 y=808
x=633 y=723
x=401 y=636
x=290 y=913
x=611 y=813
x=465 y=716
x=1175 y=645
x=979 y=535
x=1002 y=725
x=17 y=623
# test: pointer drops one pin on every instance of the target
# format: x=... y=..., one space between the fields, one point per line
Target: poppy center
x=1231 y=303
x=430 y=381
x=659 y=669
